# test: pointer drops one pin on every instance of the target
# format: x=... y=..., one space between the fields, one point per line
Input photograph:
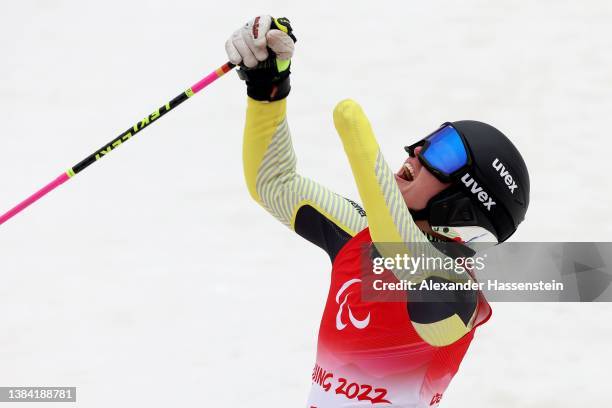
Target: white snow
x=152 y=279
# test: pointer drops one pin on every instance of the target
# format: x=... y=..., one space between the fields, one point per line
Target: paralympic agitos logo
x=357 y=323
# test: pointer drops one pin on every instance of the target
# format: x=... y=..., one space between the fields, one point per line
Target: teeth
x=409 y=170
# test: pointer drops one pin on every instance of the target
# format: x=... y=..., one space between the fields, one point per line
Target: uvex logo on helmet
x=504 y=174
x=477 y=190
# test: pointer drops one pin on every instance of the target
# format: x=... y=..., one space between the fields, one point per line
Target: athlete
x=465 y=183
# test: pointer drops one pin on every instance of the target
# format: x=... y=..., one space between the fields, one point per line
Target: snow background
x=153 y=280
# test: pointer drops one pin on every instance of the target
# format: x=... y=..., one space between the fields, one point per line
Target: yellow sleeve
x=273 y=181
x=389 y=219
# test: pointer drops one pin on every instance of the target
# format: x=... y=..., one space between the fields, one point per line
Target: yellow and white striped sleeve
x=271 y=177
x=388 y=217
x=438 y=323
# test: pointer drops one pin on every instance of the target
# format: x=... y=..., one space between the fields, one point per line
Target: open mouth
x=407 y=172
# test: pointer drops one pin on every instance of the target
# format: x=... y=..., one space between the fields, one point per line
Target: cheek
x=429 y=183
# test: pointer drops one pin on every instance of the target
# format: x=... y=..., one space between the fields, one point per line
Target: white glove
x=249 y=44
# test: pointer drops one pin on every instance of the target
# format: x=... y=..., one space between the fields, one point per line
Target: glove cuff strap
x=269 y=91
x=266 y=90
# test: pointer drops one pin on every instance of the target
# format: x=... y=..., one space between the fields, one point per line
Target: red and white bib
x=369 y=354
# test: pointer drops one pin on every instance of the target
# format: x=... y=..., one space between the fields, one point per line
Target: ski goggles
x=444 y=153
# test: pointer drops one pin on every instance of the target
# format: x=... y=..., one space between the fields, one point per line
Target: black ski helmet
x=491 y=194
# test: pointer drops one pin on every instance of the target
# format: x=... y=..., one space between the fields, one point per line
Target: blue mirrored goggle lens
x=445 y=151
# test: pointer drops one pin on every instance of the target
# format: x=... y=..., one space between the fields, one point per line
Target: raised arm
x=437 y=322
x=388 y=217
x=311 y=210
x=317 y=214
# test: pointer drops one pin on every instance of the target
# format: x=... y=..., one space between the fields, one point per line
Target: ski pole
x=118 y=141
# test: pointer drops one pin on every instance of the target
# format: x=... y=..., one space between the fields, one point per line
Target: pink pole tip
x=34 y=197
